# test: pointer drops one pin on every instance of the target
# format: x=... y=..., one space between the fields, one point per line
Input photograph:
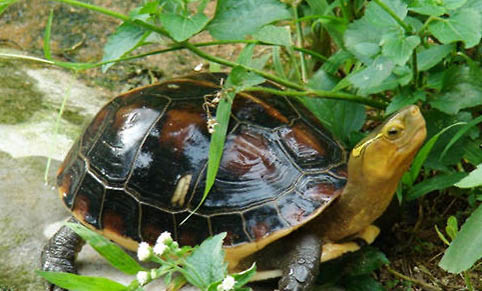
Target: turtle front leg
x=303 y=263
x=335 y=250
x=59 y=254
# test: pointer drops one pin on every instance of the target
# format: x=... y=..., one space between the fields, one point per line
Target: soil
x=409 y=240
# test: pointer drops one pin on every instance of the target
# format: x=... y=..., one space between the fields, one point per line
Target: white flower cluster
x=227 y=284
x=143 y=277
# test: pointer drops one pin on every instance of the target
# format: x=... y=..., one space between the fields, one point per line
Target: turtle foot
x=303 y=264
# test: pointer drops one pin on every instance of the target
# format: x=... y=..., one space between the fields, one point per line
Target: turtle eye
x=393 y=132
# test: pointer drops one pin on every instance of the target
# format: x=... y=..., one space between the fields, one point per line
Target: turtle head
x=385 y=154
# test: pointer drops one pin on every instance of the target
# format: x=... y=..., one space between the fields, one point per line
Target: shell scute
x=120 y=214
x=263 y=220
x=87 y=200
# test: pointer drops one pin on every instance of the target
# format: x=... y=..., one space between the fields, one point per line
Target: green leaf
x=373 y=75
x=124 y=40
x=452 y=227
x=378 y=16
x=110 y=251
x=243 y=277
x=430 y=57
x=465 y=249
x=235 y=19
x=460 y=81
x=472 y=151
x=474 y=179
x=4 y=4
x=362 y=39
x=427 y=7
x=341 y=118
x=206 y=264
x=404 y=98
x=399 y=47
x=423 y=153
x=460 y=133
x=366 y=261
x=182 y=27
x=81 y=283
x=435 y=183
x=335 y=61
x=274 y=35
x=464 y=25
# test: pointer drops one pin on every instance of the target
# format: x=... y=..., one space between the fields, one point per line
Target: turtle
x=287 y=194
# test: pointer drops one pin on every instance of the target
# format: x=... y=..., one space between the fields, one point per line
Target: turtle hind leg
x=59 y=254
x=303 y=263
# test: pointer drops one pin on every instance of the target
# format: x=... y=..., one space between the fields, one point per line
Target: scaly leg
x=59 y=254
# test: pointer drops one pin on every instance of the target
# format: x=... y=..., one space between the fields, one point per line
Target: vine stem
x=407 y=278
x=387 y=9
x=194 y=48
x=319 y=93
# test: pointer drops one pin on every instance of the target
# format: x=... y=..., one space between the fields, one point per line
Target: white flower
x=164 y=238
x=160 y=248
x=142 y=277
x=227 y=284
x=144 y=251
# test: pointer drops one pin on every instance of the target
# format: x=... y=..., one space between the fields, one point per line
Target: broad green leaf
x=430 y=57
x=462 y=89
x=206 y=264
x=279 y=35
x=235 y=19
x=4 y=4
x=452 y=227
x=398 y=48
x=362 y=39
x=435 y=183
x=453 y=4
x=110 y=251
x=427 y=7
x=460 y=133
x=472 y=151
x=124 y=40
x=423 y=153
x=182 y=27
x=340 y=117
x=474 y=179
x=465 y=249
x=81 y=283
x=379 y=17
x=464 y=25
x=373 y=75
x=404 y=98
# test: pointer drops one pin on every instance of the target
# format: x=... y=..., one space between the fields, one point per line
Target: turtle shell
x=139 y=168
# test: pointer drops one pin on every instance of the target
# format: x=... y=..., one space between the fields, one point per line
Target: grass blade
x=47 y=32
x=459 y=134
x=110 y=251
x=81 y=283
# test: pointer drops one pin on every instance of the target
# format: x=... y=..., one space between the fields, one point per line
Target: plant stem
x=319 y=93
x=418 y=282
x=405 y=26
x=415 y=68
x=299 y=42
x=117 y=15
x=468 y=284
x=231 y=64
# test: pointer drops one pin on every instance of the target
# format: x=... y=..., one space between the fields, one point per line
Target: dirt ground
x=409 y=239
